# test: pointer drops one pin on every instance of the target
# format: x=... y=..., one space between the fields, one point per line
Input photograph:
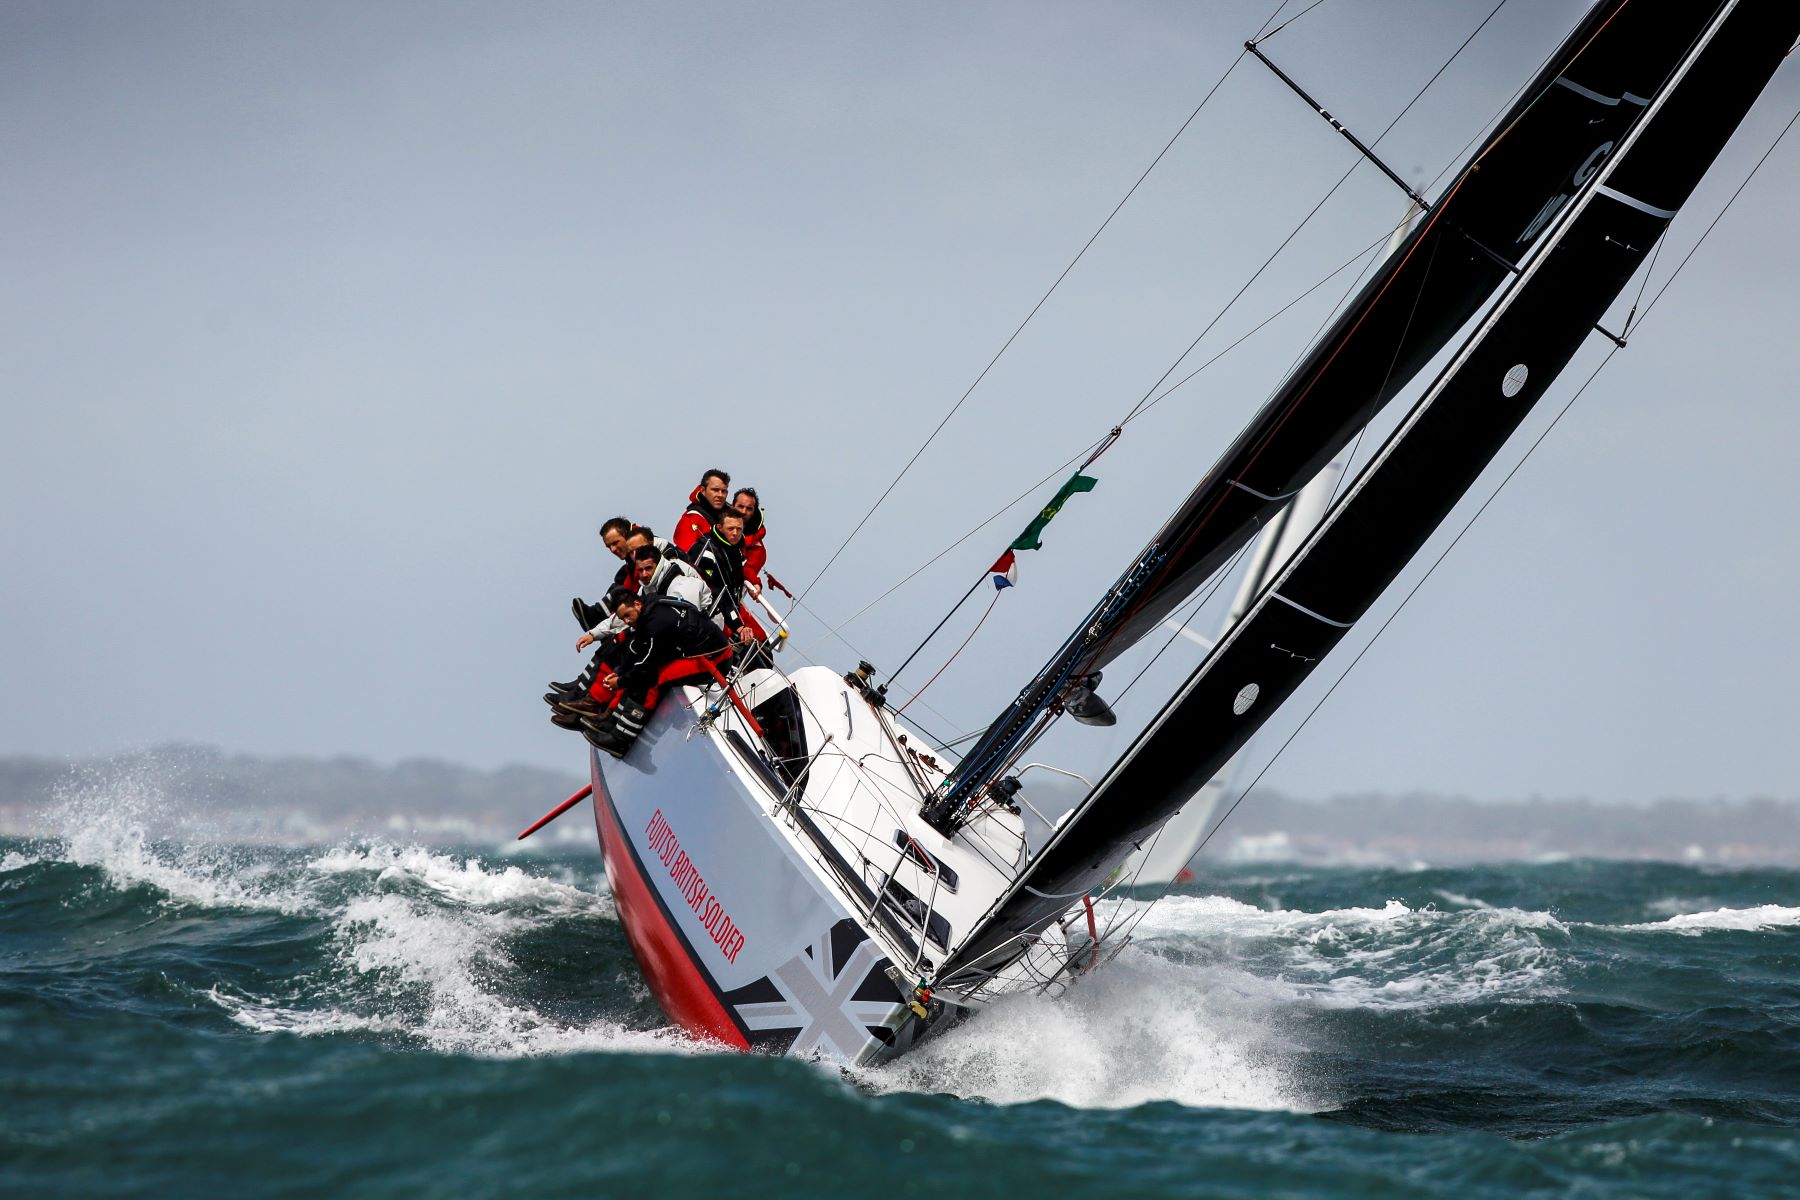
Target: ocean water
x=185 y=1016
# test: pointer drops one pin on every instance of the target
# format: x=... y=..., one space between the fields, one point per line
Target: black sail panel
x=1556 y=137
x=1394 y=506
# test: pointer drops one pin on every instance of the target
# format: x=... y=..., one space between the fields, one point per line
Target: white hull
x=775 y=918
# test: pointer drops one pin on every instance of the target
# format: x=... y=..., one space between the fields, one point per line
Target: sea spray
x=1145 y=1029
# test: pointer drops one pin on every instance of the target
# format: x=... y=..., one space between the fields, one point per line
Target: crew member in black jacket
x=719 y=557
x=663 y=631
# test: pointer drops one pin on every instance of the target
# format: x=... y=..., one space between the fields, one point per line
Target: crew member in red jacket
x=747 y=504
x=705 y=504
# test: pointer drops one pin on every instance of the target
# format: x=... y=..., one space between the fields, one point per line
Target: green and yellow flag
x=1029 y=539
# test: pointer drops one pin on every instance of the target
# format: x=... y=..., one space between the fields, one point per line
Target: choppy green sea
x=184 y=1017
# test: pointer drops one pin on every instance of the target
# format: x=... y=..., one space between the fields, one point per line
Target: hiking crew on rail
x=672 y=604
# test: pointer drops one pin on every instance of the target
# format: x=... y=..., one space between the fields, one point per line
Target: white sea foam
x=1200 y=1009
x=1462 y=900
x=421 y=954
x=438 y=974
x=419 y=936
x=1392 y=956
x=105 y=822
x=269 y=1016
x=464 y=881
x=15 y=861
x=1142 y=1030
x=1764 y=916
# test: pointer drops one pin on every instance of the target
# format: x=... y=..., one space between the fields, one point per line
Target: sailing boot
x=581 y=706
x=563 y=720
x=576 y=688
x=586 y=615
x=604 y=736
x=616 y=735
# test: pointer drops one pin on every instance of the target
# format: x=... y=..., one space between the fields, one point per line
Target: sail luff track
x=1594 y=245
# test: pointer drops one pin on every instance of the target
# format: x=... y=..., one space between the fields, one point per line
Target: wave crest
x=1763 y=916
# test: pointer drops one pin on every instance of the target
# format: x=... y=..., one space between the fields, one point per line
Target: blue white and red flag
x=1005 y=571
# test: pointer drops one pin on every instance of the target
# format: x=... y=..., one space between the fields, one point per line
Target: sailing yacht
x=800 y=872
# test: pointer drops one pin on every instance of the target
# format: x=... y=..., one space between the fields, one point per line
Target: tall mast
x=1591 y=247
x=1485 y=223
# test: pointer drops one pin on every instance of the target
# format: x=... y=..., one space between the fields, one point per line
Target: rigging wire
x=1042 y=300
x=1611 y=351
x=1151 y=396
x=1538 y=441
x=1263 y=37
x=1144 y=407
x=1093 y=449
x=995 y=516
x=958 y=650
x=806 y=653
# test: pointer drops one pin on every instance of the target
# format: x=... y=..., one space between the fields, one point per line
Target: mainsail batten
x=1597 y=239
x=1552 y=141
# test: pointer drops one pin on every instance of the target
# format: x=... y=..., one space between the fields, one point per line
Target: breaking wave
x=446 y=951
x=1763 y=916
x=1145 y=1029
x=1392 y=956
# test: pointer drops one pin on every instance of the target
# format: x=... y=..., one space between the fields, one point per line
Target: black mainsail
x=1567 y=122
x=1687 y=105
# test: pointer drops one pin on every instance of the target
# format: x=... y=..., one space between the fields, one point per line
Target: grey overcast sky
x=332 y=331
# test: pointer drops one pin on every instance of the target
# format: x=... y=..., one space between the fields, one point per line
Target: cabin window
x=916 y=852
x=784 y=734
x=901 y=900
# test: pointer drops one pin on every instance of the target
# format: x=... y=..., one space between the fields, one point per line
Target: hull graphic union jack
x=832 y=996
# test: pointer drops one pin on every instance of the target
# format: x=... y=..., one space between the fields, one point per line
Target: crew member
x=655 y=572
x=666 y=638
x=718 y=558
x=755 y=529
x=669 y=574
x=705 y=505
x=604 y=628
x=612 y=536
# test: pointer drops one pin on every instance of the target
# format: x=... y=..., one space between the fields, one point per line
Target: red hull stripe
x=679 y=983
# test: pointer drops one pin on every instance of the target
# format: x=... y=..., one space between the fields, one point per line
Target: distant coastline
x=320 y=800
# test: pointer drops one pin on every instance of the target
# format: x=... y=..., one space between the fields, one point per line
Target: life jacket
x=676 y=577
x=721 y=564
x=696 y=520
